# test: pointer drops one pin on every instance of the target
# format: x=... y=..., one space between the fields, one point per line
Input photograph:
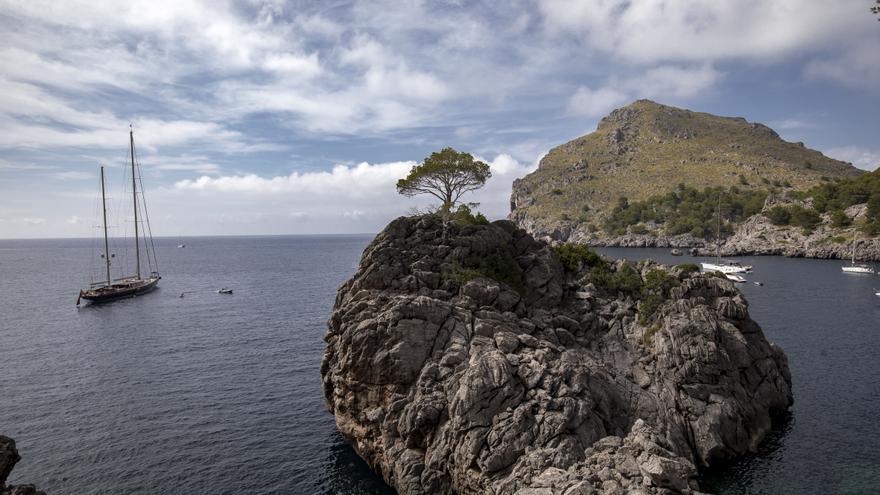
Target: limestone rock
x=8 y=459
x=541 y=382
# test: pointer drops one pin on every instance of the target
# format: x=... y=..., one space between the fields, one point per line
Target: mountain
x=645 y=150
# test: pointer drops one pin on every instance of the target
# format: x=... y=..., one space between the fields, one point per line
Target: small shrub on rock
x=574 y=257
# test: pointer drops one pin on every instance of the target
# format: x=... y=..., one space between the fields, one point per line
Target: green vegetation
x=577 y=257
x=625 y=279
x=836 y=196
x=687 y=210
x=574 y=257
x=650 y=332
x=654 y=293
x=463 y=216
x=688 y=268
x=500 y=266
x=446 y=175
x=794 y=215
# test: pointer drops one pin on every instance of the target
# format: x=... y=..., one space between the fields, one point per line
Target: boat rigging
x=109 y=289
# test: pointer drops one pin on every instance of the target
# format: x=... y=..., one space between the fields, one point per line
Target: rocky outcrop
x=758 y=236
x=8 y=459
x=755 y=236
x=467 y=359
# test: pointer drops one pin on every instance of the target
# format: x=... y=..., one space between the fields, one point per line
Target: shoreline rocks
x=445 y=379
x=8 y=459
x=756 y=236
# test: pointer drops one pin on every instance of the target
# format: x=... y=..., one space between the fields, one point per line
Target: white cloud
x=674 y=82
x=293 y=65
x=30 y=221
x=359 y=198
x=664 y=82
x=360 y=180
x=74 y=175
x=703 y=30
x=858 y=66
x=866 y=159
x=592 y=103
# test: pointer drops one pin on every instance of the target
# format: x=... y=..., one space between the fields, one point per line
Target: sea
x=185 y=390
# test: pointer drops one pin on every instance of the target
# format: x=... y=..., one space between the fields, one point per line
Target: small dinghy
x=759 y=284
x=224 y=290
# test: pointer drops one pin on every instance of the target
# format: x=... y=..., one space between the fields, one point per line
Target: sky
x=272 y=117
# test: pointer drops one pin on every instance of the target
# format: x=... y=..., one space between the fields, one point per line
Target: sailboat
x=109 y=289
x=729 y=269
x=853 y=267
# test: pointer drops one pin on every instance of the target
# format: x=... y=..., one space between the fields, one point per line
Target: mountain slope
x=646 y=149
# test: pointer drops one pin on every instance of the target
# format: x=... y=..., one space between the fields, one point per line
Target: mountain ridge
x=645 y=149
x=653 y=175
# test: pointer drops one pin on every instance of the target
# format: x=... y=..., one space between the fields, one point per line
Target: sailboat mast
x=854 y=248
x=106 y=242
x=137 y=249
x=718 y=232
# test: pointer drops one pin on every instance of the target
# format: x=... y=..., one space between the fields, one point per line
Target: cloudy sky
x=272 y=117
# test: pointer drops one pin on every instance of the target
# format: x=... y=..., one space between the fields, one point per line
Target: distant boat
x=728 y=267
x=759 y=284
x=181 y=245
x=224 y=290
x=127 y=286
x=853 y=267
x=675 y=252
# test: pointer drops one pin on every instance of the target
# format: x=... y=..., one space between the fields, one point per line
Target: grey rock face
x=456 y=383
x=8 y=459
x=755 y=236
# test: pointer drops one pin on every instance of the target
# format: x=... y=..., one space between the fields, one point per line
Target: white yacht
x=728 y=268
x=853 y=267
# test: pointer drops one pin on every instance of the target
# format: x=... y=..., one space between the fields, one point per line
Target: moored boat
x=109 y=289
x=857 y=268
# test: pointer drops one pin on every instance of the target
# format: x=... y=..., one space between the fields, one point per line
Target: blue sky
x=271 y=117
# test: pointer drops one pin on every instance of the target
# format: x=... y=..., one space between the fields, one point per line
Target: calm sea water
x=214 y=393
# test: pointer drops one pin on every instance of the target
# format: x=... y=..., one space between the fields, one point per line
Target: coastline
x=757 y=236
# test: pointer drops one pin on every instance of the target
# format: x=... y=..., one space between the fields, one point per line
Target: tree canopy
x=446 y=174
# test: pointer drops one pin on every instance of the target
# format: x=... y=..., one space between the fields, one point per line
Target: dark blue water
x=221 y=394
x=210 y=393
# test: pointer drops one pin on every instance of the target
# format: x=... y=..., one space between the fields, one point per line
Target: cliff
x=474 y=359
x=8 y=459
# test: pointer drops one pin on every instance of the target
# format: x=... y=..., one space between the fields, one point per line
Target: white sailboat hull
x=724 y=268
x=858 y=269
